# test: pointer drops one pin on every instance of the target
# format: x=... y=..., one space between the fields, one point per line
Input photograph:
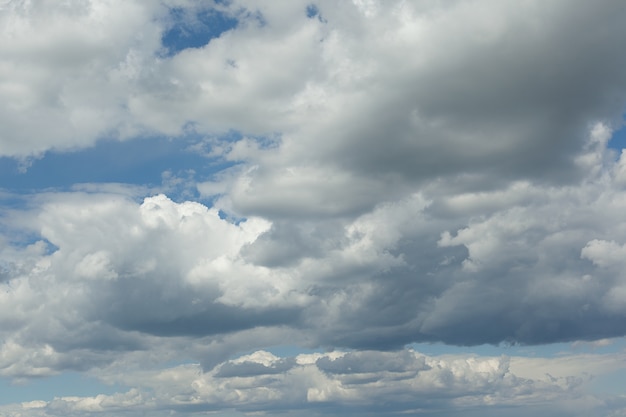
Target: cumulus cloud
x=346 y=382
x=520 y=272
x=398 y=172
x=69 y=67
x=113 y=271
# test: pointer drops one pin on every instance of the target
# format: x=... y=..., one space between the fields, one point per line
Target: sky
x=327 y=208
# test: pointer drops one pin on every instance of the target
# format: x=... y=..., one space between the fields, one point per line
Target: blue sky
x=618 y=140
x=312 y=208
x=48 y=388
x=108 y=161
x=194 y=29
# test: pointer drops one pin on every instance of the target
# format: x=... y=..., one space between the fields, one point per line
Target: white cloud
x=604 y=254
x=70 y=67
x=403 y=172
x=346 y=382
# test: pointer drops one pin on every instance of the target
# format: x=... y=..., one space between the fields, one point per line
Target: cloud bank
x=349 y=383
x=391 y=173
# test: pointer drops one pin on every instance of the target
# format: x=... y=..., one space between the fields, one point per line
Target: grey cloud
x=147 y=313
x=371 y=361
x=109 y=280
x=440 y=174
x=397 y=275
x=513 y=275
x=249 y=369
x=433 y=385
x=309 y=192
x=515 y=102
x=286 y=243
x=470 y=100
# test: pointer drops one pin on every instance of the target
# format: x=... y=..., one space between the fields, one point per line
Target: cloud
x=69 y=66
x=339 y=72
x=118 y=267
x=341 y=382
x=259 y=363
x=527 y=270
x=395 y=172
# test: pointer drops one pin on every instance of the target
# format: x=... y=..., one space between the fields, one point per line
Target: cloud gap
x=195 y=29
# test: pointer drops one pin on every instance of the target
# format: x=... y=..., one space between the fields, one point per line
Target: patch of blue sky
x=194 y=29
x=27 y=241
x=46 y=389
x=16 y=237
x=312 y=11
x=618 y=139
x=229 y=217
x=137 y=162
x=9 y=200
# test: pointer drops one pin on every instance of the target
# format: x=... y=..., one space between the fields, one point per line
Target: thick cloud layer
x=539 y=265
x=395 y=172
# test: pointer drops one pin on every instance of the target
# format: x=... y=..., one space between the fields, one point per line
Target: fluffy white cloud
x=133 y=266
x=400 y=172
x=68 y=69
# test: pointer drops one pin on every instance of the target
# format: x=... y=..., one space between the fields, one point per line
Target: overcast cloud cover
x=358 y=207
